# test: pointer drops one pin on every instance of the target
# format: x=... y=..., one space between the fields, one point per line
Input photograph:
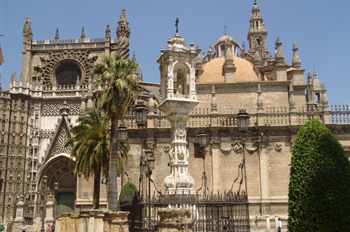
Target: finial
x=279 y=53
x=57 y=37
x=296 y=60
x=108 y=32
x=82 y=34
x=134 y=56
x=225 y=29
x=255 y=2
x=177 y=24
x=0 y=82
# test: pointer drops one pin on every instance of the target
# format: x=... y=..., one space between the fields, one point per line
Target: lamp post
x=149 y=165
x=140 y=112
x=202 y=140
x=243 y=124
x=122 y=135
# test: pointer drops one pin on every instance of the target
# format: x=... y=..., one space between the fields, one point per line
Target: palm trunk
x=113 y=198
x=97 y=179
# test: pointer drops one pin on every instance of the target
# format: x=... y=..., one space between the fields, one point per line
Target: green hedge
x=130 y=191
x=319 y=188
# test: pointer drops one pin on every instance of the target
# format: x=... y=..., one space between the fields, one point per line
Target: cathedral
x=54 y=89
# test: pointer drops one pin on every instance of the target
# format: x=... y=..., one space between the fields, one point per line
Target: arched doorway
x=57 y=180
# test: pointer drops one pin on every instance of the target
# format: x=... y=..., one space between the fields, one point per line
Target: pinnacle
x=123 y=18
x=278 y=40
x=295 y=45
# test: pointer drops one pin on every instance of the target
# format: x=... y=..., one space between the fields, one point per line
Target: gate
x=226 y=212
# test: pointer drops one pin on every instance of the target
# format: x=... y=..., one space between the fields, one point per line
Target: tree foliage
x=129 y=191
x=117 y=85
x=319 y=188
x=91 y=148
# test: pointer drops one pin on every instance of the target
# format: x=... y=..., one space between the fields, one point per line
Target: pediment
x=56 y=146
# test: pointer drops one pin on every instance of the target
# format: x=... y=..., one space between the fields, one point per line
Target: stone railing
x=340 y=114
x=270 y=116
x=40 y=45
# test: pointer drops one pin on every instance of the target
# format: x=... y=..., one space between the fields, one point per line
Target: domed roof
x=213 y=71
x=177 y=43
x=223 y=38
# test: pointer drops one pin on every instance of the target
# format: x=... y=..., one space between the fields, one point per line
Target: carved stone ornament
x=278 y=147
x=54 y=109
x=180 y=134
x=49 y=64
x=215 y=142
x=150 y=145
x=166 y=148
x=237 y=146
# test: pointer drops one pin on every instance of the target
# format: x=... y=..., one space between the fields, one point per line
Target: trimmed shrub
x=129 y=192
x=319 y=188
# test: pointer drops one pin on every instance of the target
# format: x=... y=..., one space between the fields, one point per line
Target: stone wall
x=94 y=220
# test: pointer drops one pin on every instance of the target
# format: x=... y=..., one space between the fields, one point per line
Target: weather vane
x=177 y=24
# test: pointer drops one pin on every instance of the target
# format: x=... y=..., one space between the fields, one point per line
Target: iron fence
x=215 y=212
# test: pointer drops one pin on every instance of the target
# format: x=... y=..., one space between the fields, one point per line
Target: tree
x=118 y=84
x=319 y=188
x=91 y=148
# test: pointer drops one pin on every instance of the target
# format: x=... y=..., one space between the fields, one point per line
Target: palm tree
x=91 y=148
x=118 y=84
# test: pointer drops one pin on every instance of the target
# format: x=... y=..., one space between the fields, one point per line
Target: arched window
x=67 y=73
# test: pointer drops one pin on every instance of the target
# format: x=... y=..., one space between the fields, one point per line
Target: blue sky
x=320 y=29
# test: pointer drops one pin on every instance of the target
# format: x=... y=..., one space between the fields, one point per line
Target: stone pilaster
x=49 y=219
x=19 y=220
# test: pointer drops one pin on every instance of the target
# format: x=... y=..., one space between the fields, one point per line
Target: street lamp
x=202 y=140
x=122 y=135
x=243 y=120
x=141 y=111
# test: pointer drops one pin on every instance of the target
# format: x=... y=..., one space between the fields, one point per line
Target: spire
x=123 y=30
x=57 y=37
x=279 y=56
x=316 y=82
x=108 y=33
x=296 y=60
x=257 y=31
x=82 y=34
x=27 y=31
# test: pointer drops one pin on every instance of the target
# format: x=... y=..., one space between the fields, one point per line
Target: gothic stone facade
x=54 y=89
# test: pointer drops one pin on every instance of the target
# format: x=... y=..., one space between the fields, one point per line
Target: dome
x=213 y=71
x=223 y=39
x=177 y=43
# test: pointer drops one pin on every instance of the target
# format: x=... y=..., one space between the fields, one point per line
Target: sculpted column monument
x=178 y=102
